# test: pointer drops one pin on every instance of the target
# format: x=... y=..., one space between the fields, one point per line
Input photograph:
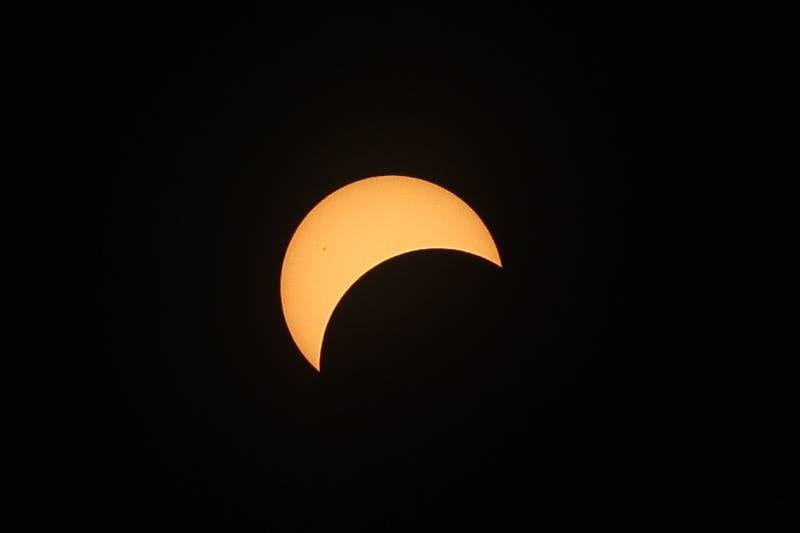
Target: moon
x=358 y=227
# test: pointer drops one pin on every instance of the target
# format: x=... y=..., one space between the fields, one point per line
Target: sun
x=358 y=227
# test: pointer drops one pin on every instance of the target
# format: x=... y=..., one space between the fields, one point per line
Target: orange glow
x=358 y=227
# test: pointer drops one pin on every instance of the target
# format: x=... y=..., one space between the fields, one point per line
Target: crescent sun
x=358 y=227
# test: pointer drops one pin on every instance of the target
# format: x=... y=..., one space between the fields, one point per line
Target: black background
x=164 y=160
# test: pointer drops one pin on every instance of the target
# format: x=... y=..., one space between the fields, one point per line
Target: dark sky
x=163 y=160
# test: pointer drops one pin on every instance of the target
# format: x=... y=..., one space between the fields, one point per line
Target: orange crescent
x=356 y=228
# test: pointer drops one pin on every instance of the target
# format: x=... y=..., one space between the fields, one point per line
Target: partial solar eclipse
x=358 y=227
